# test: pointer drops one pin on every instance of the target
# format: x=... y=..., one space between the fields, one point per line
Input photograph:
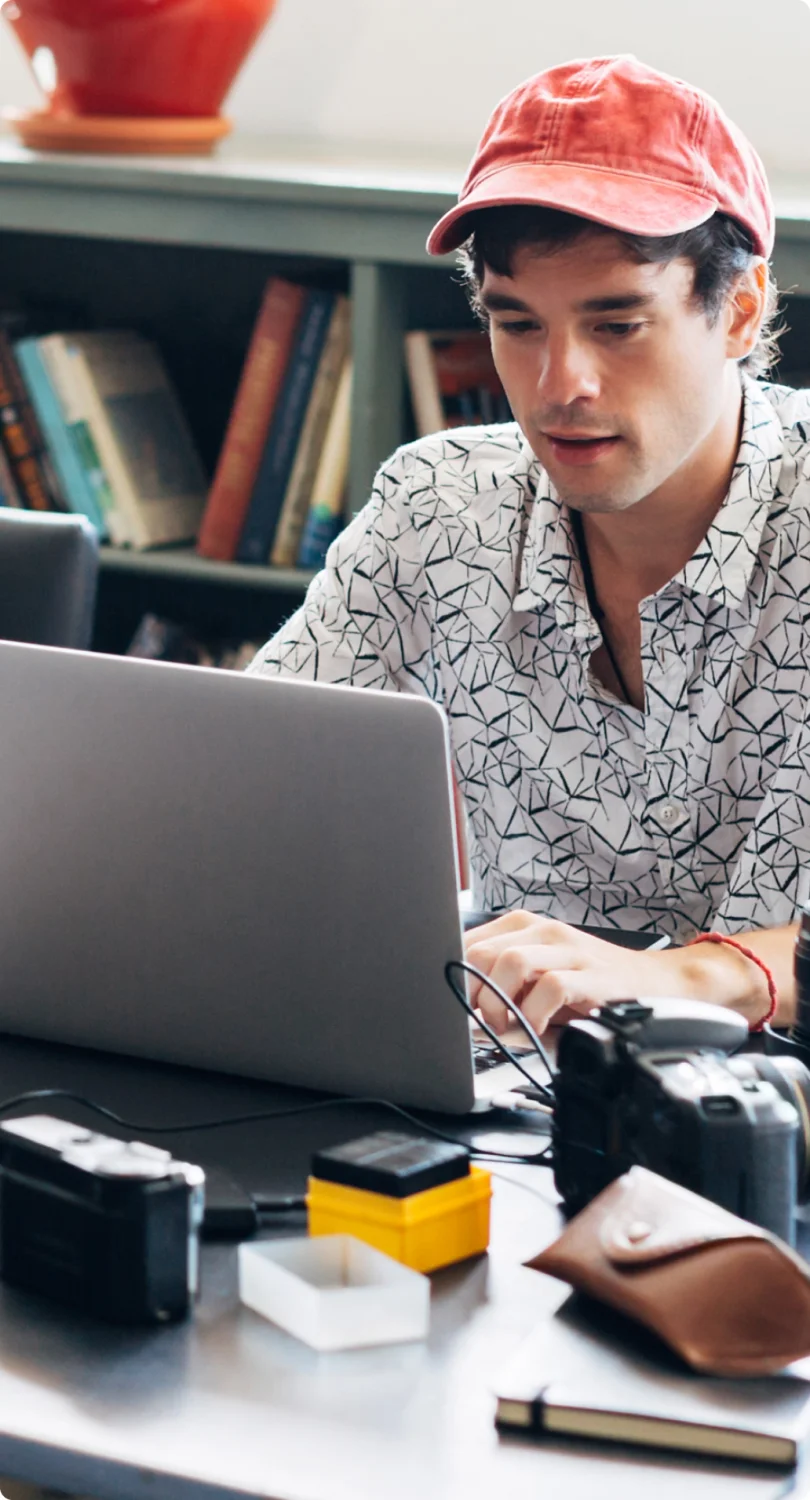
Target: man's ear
x=746 y=308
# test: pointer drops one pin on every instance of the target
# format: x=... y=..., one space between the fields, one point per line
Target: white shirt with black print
x=460 y=581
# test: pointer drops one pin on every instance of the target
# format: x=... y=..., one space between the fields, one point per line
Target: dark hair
x=720 y=250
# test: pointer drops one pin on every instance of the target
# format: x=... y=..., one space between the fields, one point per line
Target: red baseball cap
x=612 y=140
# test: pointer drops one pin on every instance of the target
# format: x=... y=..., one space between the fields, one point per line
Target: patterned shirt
x=460 y=580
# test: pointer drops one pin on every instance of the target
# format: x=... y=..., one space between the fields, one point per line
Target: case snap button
x=638 y=1230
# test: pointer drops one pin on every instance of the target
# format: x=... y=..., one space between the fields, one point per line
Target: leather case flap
x=648 y=1225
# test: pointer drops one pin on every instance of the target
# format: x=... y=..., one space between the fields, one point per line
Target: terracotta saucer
x=41 y=130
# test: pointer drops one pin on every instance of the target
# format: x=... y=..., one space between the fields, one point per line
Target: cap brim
x=626 y=201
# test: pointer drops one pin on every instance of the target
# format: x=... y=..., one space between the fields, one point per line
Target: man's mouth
x=571 y=448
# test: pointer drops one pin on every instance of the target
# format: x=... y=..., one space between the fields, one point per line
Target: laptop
x=248 y=874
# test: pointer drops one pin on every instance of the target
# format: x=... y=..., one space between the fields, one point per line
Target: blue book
x=62 y=442
x=320 y=530
x=285 y=428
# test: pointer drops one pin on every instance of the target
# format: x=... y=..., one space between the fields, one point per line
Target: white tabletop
x=228 y=1404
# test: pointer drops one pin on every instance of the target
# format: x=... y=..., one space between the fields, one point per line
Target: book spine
x=423 y=383
x=258 y=391
x=88 y=405
x=325 y=516
x=9 y=494
x=279 y=452
x=46 y=405
x=22 y=438
x=58 y=367
x=142 y=438
x=313 y=432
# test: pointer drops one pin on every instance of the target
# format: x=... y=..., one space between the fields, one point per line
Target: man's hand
x=553 y=971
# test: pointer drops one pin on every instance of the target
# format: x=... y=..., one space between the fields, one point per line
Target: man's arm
x=552 y=971
x=745 y=984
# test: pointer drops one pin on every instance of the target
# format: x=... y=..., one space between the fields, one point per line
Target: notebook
x=589 y=1372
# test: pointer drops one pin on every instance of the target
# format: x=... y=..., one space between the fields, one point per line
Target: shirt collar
x=721 y=567
x=550 y=571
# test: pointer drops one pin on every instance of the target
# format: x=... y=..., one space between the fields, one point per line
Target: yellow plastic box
x=428 y=1230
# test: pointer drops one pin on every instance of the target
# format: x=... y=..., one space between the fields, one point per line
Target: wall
x=420 y=75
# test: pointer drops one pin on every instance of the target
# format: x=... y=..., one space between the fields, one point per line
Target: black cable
x=33 y=1096
x=511 y=1006
x=595 y=607
x=270 y=1208
x=255 y=1117
x=514 y=1010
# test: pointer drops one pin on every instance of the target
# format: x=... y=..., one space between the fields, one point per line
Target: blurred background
x=418 y=77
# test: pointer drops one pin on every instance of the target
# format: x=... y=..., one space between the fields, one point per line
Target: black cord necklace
x=595 y=607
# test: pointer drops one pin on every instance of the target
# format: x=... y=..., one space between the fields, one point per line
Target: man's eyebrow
x=629 y=302
x=501 y=302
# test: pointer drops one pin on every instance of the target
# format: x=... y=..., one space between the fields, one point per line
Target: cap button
x=638 y=1231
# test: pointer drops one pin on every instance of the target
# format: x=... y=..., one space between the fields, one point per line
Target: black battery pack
x=393 y=1164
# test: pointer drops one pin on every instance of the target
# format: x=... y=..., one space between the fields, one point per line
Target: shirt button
x=670 y=814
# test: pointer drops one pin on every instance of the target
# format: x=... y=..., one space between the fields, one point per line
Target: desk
x=227 y=1405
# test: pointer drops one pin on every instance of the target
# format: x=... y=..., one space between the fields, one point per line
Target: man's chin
x=598 y=504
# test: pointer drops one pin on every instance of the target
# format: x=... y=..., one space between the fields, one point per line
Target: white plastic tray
x=334 y=1292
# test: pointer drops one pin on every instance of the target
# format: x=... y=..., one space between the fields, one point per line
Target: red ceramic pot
x=140 y=57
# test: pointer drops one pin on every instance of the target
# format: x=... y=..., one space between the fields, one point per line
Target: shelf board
x=183 y=563
x=246 y=199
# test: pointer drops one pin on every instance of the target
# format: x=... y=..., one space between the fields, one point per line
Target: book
x=325 y=516
x=123 y=390
x=9 y=494
x=589 y=1372
x=22 y=440
x=71 y=379
x=295 y=506
x=59 y=365
x=452 y=380
x=246 y=433
x=282 y=437
x=57 y=432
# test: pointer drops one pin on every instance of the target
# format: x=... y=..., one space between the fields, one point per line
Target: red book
x=256 y=397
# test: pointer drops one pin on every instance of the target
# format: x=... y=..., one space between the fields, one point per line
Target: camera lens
x=800 y=1030
x=791 y=1079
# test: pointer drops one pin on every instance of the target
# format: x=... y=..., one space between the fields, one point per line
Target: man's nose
x=567 y=373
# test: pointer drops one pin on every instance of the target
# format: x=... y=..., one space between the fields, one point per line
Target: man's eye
x=524 y=326
x=619 y=330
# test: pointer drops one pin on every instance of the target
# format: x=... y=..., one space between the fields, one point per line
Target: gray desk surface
x=226 y=1404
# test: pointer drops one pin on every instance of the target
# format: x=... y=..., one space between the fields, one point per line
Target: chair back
x=48 y=578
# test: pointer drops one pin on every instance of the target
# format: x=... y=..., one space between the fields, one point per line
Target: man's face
x=612 y=369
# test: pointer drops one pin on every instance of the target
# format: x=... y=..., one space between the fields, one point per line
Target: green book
x=64 y=445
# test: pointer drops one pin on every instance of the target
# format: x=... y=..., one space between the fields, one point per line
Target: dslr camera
x=109 y=1227
x=663 y=1083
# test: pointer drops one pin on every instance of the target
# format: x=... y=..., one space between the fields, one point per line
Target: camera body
x=106 y=1226
x=653 y=1082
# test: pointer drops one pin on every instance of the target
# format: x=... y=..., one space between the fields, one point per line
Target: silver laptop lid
x=231 y=872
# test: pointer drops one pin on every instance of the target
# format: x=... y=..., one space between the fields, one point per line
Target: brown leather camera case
x=728 y=1297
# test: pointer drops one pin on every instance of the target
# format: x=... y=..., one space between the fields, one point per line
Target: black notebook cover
x=589 y=1372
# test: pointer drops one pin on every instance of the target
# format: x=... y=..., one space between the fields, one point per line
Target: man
x=607 y=597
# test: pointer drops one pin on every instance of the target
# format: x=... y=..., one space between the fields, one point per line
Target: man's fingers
x=515 y=970
x=561 y=990
x=517 y=927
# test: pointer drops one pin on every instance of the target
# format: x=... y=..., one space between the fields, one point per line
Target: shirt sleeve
x=367 y=620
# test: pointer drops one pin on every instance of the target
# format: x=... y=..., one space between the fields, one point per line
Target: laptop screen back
x=230 y=872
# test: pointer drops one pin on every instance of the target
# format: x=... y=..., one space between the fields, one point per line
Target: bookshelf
x=181 y=248
x=183 y=564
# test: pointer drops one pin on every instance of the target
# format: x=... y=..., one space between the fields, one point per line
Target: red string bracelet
x=773 y=997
